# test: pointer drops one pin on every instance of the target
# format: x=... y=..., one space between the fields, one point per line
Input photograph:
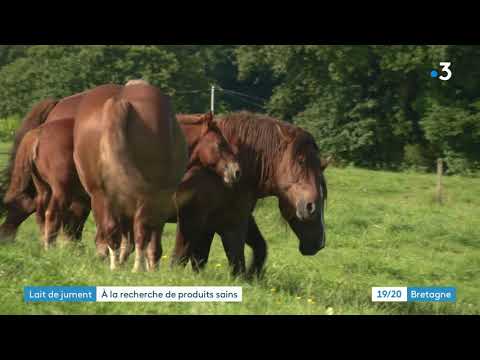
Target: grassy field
x=383 y=229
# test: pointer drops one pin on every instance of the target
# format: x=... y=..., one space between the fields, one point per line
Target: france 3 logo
x=445 y=70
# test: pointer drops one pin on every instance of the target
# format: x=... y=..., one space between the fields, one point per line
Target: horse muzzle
x=312 y=247
x=232 y=173
x=310 y=251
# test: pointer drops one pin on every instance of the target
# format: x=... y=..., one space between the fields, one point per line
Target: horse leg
x=54 y=216
x=234 y=244
x=201 y=250
x=154 y=249
x=112 y=236
x=181 y=252
x=192 y=242
x=127 y=245
x=101 y=247
x=112 y=233
x=42 y=200
x=97 y=204
x=77 y=216
x=259 y=246
x=143 y=235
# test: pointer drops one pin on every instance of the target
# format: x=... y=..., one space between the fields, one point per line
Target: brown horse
x=208 y=148
x=125 y=179
x=60 y=196
x=21 y=207
x=277 y=159
x=130 y=155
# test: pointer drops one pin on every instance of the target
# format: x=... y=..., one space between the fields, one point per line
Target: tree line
x=374 y=106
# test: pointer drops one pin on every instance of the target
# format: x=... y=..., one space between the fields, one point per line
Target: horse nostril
x=237 y=174
x=311 y=208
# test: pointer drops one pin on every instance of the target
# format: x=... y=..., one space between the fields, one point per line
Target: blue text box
x=60 y=294
x=431 y=294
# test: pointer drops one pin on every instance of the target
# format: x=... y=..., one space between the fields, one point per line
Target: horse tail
x=21 y=175
x=114 y=148
x=32 y=120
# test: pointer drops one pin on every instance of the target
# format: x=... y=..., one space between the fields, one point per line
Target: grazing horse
x=21 y=207
x=18 y=209
x=277 y=159
x=50 y=165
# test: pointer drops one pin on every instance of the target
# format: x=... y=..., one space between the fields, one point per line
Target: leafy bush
x=459 y=164
x=418 y=157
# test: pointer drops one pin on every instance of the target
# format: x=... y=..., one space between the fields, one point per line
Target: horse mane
x=32 y=120
x=260 y=139
x=303 y=140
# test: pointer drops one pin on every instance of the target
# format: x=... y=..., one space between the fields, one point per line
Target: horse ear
x=324 y=163
x=209 y=118
x=207 y=121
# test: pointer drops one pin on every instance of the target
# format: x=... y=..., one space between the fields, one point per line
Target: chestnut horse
x=50 y=165
x=19 y=208
x=277 y=159
x=128 y=169
x=130 y=155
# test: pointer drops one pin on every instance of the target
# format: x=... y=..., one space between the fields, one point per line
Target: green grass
x=383 y=229
x=8 y=127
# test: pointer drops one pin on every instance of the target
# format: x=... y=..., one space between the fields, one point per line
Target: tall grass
x=383 y=229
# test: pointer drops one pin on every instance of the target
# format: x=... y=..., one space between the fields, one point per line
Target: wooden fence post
x=212 y=100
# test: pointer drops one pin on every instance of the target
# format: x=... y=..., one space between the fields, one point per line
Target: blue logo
x=432 y=294
x=60 y=294
x=434 y=74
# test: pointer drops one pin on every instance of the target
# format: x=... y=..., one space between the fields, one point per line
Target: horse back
x=128 y=144
x=54 y=159
x=65 y=108
x=158 y=145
